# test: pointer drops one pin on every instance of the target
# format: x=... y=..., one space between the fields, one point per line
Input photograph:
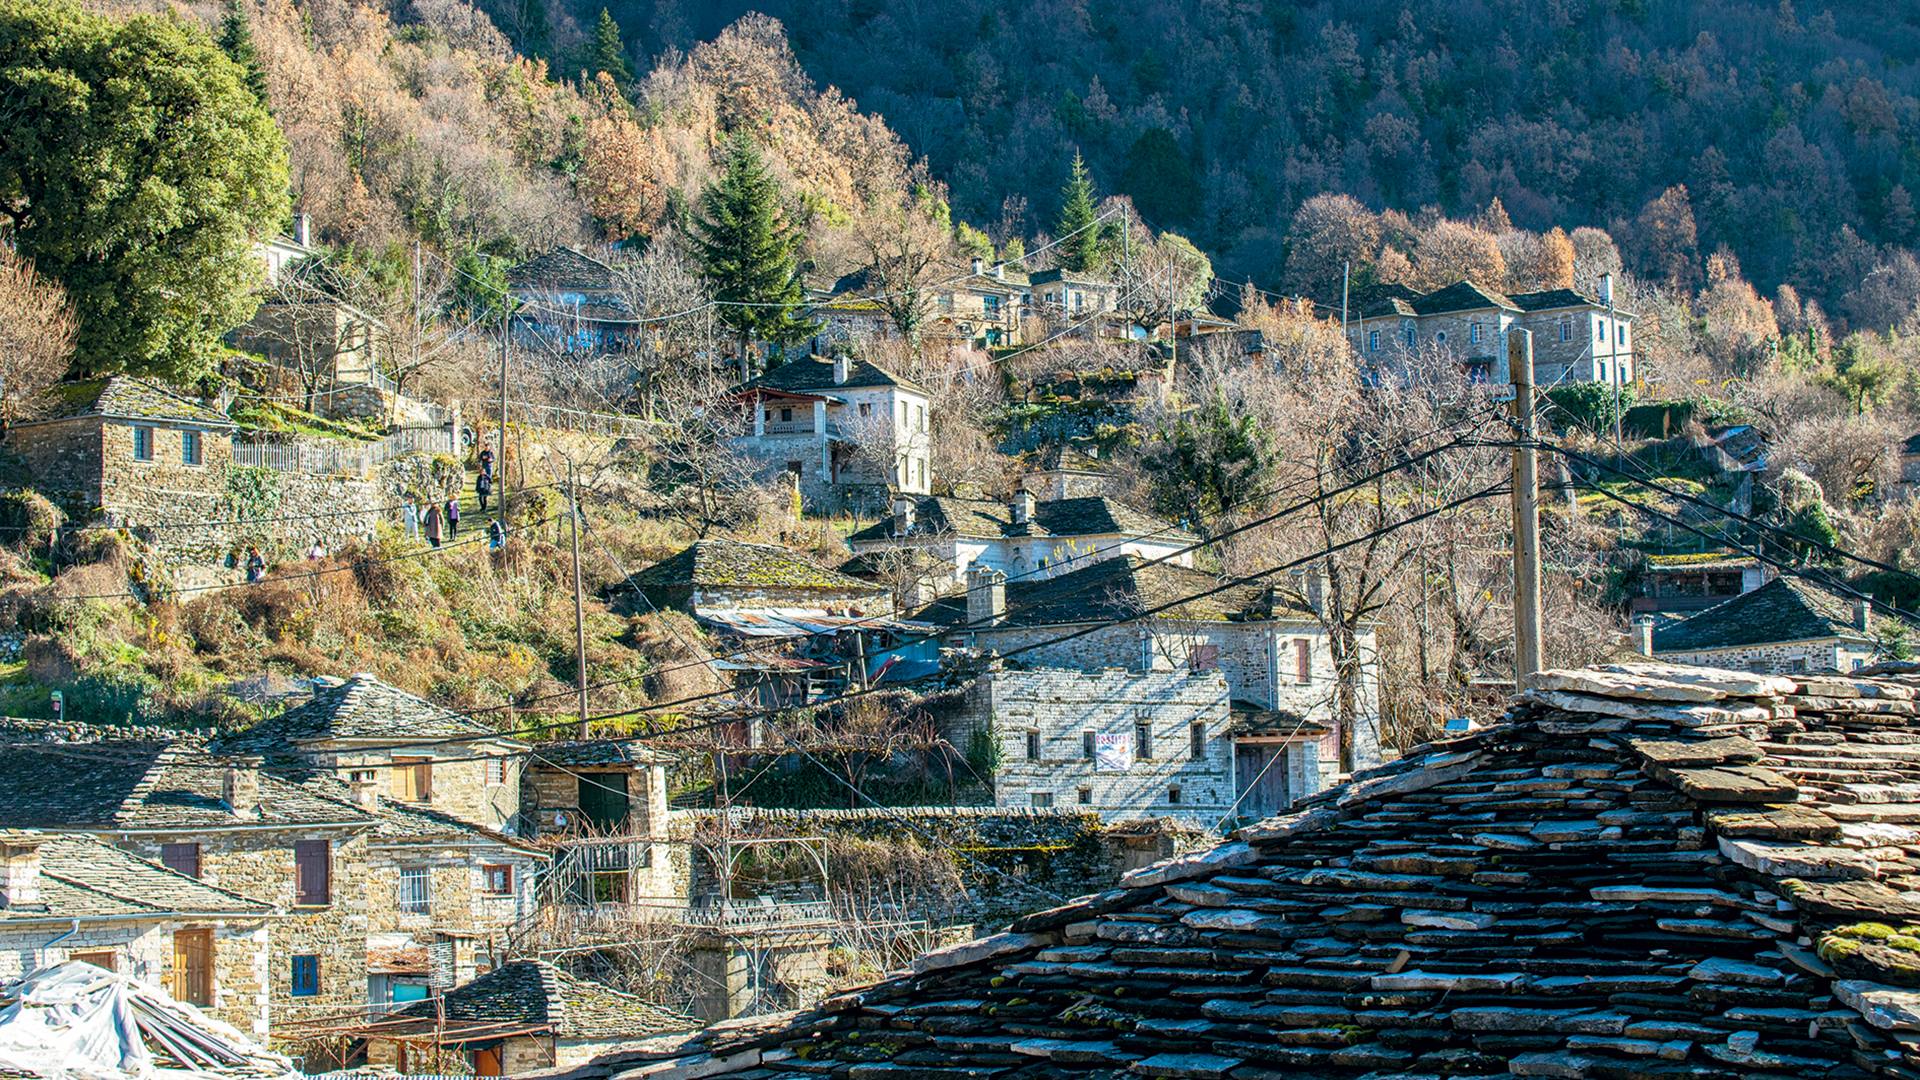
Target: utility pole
x=1526 y=514
x=1346 y=279
x=1613 y=357
x=500 y=466
x=579 y=608
x=415 y=366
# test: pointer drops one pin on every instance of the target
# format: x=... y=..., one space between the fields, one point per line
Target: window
x=1033 y=746
x=1086 y=796
x=1041 y=798
x=1440 y=338
x=361 y=776
x=189 y=448
x=181 y=858
x=1197 y=739
x=1603 y=371
x=923 y=472
x=1410 y=339
x=1759 y=666
x=193 y=966
x=946 y=301
x=1173 y=795
x=1798 y=665
x=1473 y=334
x=312 y=872
x=1302 y=660
x=496 y=772
x=497 y=880
x=414 y=887
x=866 y=408
x=786 y=416
x=1620 y=332
x=1566 y=331
x=143 y=443
x=1143 y=742
x=413 y=779
x=1086 y=746
x=990 y=305
x=919 y=418
x=306 y=976
x=795 y=468
x=1373 y=341
x=1203 y=658
x=102 y=959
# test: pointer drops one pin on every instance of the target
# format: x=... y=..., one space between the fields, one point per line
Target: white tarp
x=75 y=1020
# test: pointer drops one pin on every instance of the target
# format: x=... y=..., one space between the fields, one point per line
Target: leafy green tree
x=1859 y=374
x=480 y=289
x=1160 y=180
x=749 y=250
x=137 y=170
x=236 y=40
x=1082 y=247
x=1210 y=461
x=609 y=53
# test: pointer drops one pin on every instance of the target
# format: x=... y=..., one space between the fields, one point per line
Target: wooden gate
x=1260 y=780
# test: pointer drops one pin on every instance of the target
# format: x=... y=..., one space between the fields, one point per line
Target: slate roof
x=534 y=993
x=1461 y=296
x=563 y=270
x=1093 y=515
x=1784 y=609
x=107 y=783
x=811 y=374
x=597 y=752
x=1549 y=299
x=1116 y=589
x=361 y=707
x=1048 y=277
x=1066 y=456
x=410 y=821
x=80 y=877
x=1647 y=872
x=126 y=398
x=717 y=563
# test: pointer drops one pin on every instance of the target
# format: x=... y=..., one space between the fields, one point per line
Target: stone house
x=1025 y=538
x=526 y=1016
x=355 y=729
x=1063 y=298
x=129 y=452
x=1142 y=744
x=73 y=897
x=1575 y=337
x=571 y=302
x=720 y=575
x=1060 y=471
x=1676 y=584
x=322 y=342
x=292 y=839
x=1786 y=626
x=602 y=809
x=983 y=310
x=844 y=428
x=1273 y=654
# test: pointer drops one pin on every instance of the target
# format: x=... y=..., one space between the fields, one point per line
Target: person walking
x=483 y=487
x=431 y=526
x=453 y=516
x=256 y=566
x=410 y=516
x=496 y=536
x=486 y=463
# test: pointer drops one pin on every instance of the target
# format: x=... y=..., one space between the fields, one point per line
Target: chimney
x=902 y=515
x=986 y=596
x=240 y=787
x=20 y=870
x=979 y=266
x=1606 y=288
x=301 y=229
x=1314 y=590
x=1860 y=611
x=1022 y=505
x=1643 y=637
x=839 y=370
x=366 y=794
x=999 y=271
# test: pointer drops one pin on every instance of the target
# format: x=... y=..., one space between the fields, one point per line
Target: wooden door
x=487 y=1062
x=1260 y=780
x=193 y=966
x=603 y=801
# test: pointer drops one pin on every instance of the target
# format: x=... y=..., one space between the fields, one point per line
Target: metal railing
x=342 y=458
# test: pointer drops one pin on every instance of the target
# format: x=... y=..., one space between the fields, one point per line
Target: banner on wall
x=1112 y=752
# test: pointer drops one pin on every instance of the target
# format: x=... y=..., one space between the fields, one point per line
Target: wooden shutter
x=101 y=959
x=312 y=866
x=193 y=966
x=1302 y=660
x=413 y=779
x=181 y=858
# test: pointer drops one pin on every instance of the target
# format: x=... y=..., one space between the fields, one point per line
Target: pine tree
x=609 y=53
x=1081 y=247
x=236 y=40
x=750 y=252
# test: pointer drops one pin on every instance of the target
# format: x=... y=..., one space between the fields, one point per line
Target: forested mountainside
x=1793 y=128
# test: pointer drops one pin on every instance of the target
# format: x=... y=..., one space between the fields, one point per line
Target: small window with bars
x=497 y=880
x=496 y=772
x=1143 y=742
x=1033 y=746
x=142 y=443
x=306 y=976
x=413 y=890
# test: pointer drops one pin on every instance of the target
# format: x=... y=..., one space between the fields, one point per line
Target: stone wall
x=63 y=457
x=868 y=600
x=546 y=791
x=260 y=864
x=457 y=900
x=1061 y=707
x=144 y=951
x=458 y=785
x=1829 y=654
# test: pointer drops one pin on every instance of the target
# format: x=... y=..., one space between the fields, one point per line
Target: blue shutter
x=306 y=976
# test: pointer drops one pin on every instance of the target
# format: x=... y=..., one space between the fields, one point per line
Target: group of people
x=441 y=521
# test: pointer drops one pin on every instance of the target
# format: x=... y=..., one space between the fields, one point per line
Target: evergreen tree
x=609 y=53
x=1081 y=248
x=1161 y=182
x=236 y=40
x=750 y=252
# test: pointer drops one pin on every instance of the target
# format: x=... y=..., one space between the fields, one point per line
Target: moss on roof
x=717 y=562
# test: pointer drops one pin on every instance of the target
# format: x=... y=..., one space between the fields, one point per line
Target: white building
x=848 y=429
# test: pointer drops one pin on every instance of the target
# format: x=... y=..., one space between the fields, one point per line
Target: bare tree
x=704 y=479
x=37 y=327
x=907 y=247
